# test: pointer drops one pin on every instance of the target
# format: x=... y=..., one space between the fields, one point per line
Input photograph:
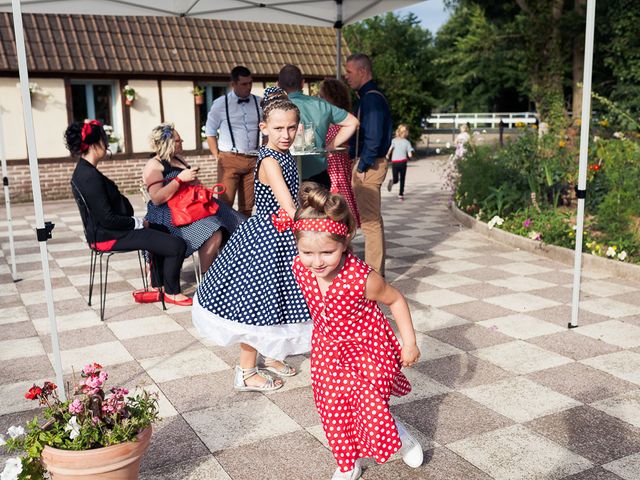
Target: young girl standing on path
x=399 y=153
x=249 y=295
x=355 y=356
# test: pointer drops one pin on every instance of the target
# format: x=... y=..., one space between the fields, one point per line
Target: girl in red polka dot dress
x=355 y=357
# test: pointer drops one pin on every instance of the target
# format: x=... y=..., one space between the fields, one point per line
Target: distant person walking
x=369 y=149
x=234 y=139
x=400 y=152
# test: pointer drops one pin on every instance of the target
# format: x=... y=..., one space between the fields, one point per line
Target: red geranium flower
x=596 y=167
x=33 y=393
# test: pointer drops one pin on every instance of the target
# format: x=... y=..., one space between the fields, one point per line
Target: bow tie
x=243 y=100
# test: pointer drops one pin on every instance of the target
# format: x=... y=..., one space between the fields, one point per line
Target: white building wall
x=179 y=108
x=49 y=118
x=144 y=113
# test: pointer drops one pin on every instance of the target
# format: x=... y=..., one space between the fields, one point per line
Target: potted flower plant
x=113 y=139
x=97 y=433
x=129 y=95
x=198 y=94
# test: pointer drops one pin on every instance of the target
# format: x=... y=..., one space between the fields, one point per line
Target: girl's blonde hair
x=318 y=202
x=402 y=131
x=163 y=141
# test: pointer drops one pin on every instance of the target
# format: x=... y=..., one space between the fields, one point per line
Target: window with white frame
x=95 y=99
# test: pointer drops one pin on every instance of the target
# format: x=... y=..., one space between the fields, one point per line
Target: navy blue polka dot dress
x=198 y=232
x=249 y=294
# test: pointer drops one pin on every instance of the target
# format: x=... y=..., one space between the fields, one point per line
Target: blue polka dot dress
x=198 y=232
x=249 y=295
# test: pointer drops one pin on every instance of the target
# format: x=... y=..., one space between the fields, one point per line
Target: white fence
x=492 y=120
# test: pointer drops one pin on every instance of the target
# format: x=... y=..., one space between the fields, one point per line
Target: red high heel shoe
x=187 y=302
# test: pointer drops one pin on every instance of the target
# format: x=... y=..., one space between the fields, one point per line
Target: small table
x=324 y=152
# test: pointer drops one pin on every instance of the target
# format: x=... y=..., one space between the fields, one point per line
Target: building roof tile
x=165 y=46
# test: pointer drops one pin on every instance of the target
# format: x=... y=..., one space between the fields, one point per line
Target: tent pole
x=7 y=202
x=584 y=159
x=43 y=231
x=338 y=27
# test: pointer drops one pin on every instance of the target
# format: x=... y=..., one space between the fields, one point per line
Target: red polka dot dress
x=339 y=168
x=355 y=365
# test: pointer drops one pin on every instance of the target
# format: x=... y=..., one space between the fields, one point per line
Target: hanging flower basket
x=129 y=95
x=198 y=94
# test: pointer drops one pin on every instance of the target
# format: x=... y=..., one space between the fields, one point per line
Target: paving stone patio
x=503 y=389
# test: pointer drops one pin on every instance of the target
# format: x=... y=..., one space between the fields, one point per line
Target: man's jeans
x=367 y=194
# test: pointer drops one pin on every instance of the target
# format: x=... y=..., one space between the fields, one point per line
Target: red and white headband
x=283 y=221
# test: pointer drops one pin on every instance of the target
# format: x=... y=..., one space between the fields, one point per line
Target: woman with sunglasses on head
x=111 y=214
x=163 y=176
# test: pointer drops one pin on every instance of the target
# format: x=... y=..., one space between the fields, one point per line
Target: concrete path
x=503 y=389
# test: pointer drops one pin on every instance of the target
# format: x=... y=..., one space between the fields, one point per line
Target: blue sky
x=431 y=13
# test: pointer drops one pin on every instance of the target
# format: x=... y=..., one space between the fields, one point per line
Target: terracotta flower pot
x=128 y=101
x=117 y=462
x=199 y=99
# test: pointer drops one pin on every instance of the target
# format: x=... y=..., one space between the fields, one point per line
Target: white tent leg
x=338 y=27
x=7 y=202
x=584 y=159
x=41 y=229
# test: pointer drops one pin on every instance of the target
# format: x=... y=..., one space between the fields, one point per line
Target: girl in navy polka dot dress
x=249 y=295
x=355 y=356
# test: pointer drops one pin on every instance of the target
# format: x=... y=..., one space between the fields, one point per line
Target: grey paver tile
x=439 y=464
x=625 y=406
x=521 y=357
x=516 y=452
x=521 y=326
x=596 y=473
x=476 y=310
x=439 y=417
x=469 y=336
x=240 y=423
x=589 y=433
x=581 y=382
x=160 y=344
x=460 y=371
x=627 y=468
x=613 y=332
x=291 y=455
x=201 y=468
x=625 y=365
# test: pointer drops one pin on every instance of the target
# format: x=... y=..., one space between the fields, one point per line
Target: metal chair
x=89 y=228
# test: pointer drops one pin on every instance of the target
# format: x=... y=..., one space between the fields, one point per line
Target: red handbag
x=146 y=296
x=193 y=202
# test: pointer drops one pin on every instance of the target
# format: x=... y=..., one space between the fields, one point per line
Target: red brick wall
x=55 y=176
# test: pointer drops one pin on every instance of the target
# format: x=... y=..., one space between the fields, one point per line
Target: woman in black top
x=111 y=214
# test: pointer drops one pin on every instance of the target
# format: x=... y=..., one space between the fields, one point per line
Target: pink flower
x=103 y=376
x=91 y=369
x=94 y=381
x=526 y=223
x=76 y=406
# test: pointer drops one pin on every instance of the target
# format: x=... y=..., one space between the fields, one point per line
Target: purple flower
x=526 y=223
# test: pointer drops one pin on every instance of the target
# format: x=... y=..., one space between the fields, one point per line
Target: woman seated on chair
x=163 y=175
x=111 y=214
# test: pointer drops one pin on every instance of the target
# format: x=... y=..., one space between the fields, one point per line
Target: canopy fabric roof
x=307 y=12
x=94 y=44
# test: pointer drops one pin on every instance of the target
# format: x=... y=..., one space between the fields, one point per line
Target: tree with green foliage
x=402 y=54
x=476 y=64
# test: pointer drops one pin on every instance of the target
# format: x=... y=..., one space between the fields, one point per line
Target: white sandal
x=286 y=370
x=242 y=374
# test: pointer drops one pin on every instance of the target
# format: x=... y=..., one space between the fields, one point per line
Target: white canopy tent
x=335 y=13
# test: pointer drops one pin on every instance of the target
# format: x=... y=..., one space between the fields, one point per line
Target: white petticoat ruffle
x=274 y=341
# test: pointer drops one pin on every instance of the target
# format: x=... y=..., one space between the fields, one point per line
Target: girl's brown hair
x=336 y=92
x=402 y=131
x=318 y=202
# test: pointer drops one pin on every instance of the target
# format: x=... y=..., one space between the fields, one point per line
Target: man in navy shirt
x=369 y=148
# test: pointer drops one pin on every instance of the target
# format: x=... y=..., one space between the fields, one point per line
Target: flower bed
x=527 y=188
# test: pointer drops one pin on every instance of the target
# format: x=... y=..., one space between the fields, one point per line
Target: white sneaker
x=350 y=475
x=411 y=450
